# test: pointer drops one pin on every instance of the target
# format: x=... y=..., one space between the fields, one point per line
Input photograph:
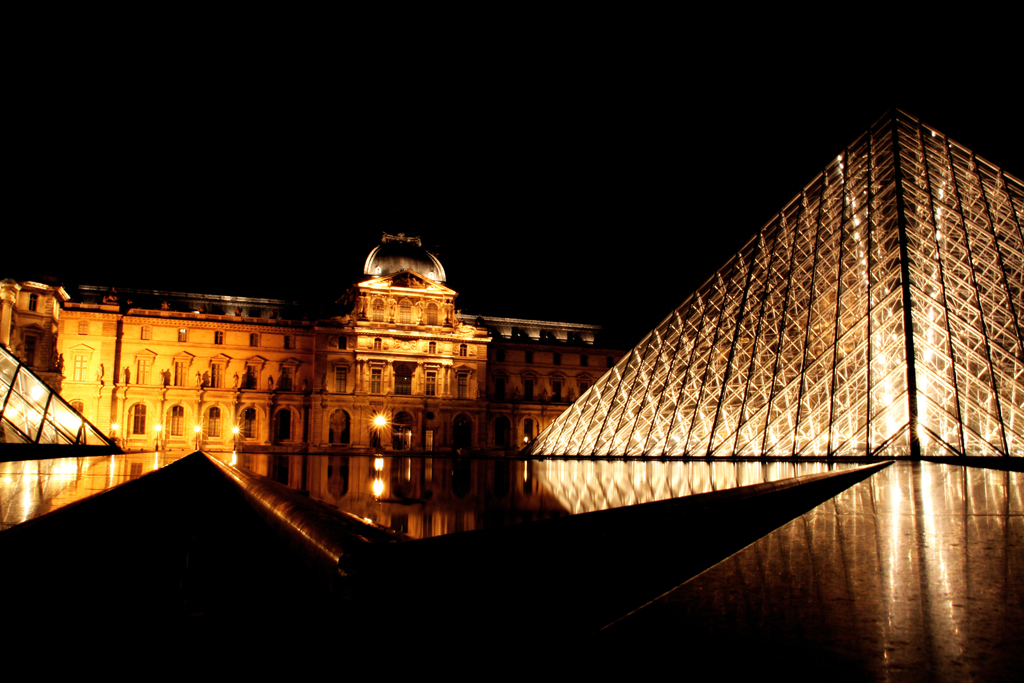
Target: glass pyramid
x=878 y=314
x=31 y=412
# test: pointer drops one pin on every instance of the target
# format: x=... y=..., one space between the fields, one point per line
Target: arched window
x=138 y=419
x=177 y=421
x=528 y=427
x=405 y=312
x=502 y=427
x=339 y=431
x=78 y=406
x=431 y=314
x=213 y=423
x=378 y=310
x=33 y=302
x=249 y=423
x=463 y=350
x=284 y=425
x=432 y=347
x=377 y=344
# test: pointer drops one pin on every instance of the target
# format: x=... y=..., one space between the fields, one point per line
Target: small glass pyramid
x=31 y=412
x=878 y=314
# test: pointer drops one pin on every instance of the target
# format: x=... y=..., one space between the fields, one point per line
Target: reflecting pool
x=417 y=496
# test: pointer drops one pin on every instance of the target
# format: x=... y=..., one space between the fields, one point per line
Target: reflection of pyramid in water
x=802 y=343
x=32 y=413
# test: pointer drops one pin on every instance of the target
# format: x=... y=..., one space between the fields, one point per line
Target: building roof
x=399 y=252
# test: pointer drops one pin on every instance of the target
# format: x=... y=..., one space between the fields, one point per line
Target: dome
x=398 y=252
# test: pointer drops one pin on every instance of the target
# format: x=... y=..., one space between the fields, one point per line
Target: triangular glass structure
x=32 y=413
x=879 y=313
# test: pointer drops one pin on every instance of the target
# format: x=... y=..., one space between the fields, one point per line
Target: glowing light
x=378 y=464
x=197 y=429
x=37 y=393
x=378 y=487
x=235 y=429
x=115 y=426
x=380 y=421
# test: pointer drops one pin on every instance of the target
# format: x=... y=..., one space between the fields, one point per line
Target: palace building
x=394 y=366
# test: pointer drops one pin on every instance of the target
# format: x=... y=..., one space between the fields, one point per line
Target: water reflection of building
x=152 y=367
x=421 y=497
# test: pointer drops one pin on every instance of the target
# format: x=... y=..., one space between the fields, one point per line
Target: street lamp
x=158 y=429
x=197 y=429
x=379 y=423
x=235 y=430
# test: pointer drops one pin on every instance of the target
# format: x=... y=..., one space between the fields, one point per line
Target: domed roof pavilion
x=399 y=252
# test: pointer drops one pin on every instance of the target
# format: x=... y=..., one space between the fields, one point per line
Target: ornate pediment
x=406 y=279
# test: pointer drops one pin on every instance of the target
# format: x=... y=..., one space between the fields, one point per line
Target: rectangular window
x=177 y=421
x=286 y=379
x=83 y=327
x=340 y=380
x=216 y=376
x=180 y=368
x=254 y=339
x=499 y=388
x=431 y=383
x=556 y=392
x=147 y=332
x=81 y=367
x=528 y=389
x=143 y=375
x=183 y=335
x=499 y=355
x=375 y=380
x=213 y=424
x=529 y=356
x=289 y=342
x=403 y=382
x=33 y=302
x=583 y=360
x=218 y=337
x=584 y=385
x=611 y=361
x=139 y=419
x=557 y=358
x=251 y=378
x=463 y=385
x=30 y=349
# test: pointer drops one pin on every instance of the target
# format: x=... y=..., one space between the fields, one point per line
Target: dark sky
x=557 y=190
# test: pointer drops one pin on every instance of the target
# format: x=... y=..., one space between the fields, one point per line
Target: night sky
x=562 y=190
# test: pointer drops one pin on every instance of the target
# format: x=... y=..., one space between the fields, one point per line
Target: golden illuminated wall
x=877 y=314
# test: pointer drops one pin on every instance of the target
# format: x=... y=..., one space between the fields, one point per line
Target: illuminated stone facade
x=29 y=315
x=149 y=367
x=879 y=313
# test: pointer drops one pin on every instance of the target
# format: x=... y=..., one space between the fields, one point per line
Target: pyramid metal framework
x=878 y=314
x=32 y=413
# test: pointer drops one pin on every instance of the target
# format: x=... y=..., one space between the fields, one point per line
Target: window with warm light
x=177 y=421
x=180 y=373
x=431 y=314
x=81 y=367
x=142 y=376
x=376 y=375
x=216 y=375
x=378 y=310
x=138 y=419
x=405 y=312
x=183 y=334
x=213 y=423
x=146 y=333
x=83 y=327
